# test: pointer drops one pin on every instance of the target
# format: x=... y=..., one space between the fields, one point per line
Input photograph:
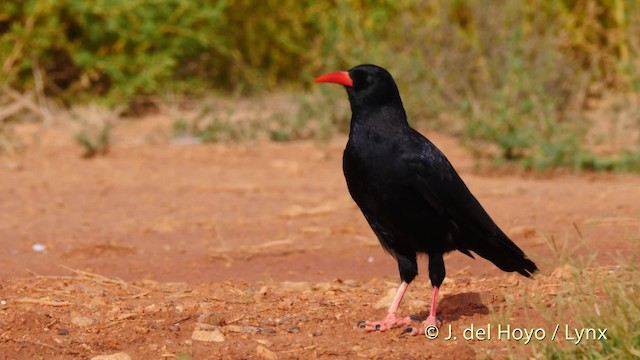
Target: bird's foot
x=389 y=322
x=430 y=325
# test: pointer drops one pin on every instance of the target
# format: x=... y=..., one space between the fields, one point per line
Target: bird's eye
x=362 y=79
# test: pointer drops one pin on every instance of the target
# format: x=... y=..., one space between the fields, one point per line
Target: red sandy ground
x=156 y=244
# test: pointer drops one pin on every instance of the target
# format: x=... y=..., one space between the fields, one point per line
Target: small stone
x=97 y=301
x=38 y=247
x=564 y=272
x=116 y=356
x=323 y=286
x=208 y=335
x=265 y=353
x=263 y=291
x=264 y=342
x=241 y=329
x=293 y=330
x=80 y=320
x=141 y=329
x=283 y=320
x=63 y=332
x=210 y=318
x=127 y=316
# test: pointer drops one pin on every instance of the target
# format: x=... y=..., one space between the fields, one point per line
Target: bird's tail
x=505 y=254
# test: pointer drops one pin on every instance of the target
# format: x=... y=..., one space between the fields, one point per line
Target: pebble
x=80 y=320
x=63 y=332
x=265 y=353
x=241 y=329
x=207 y=335
x=564 y=272
x=38 y=247
x=210 y=318
x=265 y=342
x=97 y=301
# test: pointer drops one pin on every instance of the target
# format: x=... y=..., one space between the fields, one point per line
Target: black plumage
x=407 y=190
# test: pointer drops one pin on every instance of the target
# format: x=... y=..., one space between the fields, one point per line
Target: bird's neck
x=386 y=118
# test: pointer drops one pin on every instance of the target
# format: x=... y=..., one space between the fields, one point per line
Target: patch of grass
x=579 y=294
x=517 y=77
x=208 y=126
x=286 y=117
x=598 y=298
x=94 y=141
x=318 y=115
x=93 y=127
x=183 y=356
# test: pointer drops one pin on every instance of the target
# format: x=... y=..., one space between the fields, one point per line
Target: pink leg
x=390 y=321
x=431 y=319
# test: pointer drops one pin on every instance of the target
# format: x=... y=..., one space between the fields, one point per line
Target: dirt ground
x=255 y=250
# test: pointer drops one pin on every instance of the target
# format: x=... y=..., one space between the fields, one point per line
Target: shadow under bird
x=410 y=194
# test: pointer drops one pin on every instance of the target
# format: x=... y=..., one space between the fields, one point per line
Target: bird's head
x=367 y=86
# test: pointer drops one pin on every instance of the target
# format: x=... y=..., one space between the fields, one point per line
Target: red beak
x=338 y=77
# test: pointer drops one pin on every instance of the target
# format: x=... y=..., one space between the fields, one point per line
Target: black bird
x=409 y=192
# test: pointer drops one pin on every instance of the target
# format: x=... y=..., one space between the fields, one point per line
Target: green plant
x=208 y=126
x=289 y=117
x=318 y=115
x=95 y=142
x=598 y=298
x=93 y=129
x=520 y=76
x=124 y=48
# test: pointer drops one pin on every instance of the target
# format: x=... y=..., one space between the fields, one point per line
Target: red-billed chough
x=410 y=194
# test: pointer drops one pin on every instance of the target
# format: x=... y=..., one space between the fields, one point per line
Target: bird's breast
x=381 y=185
x=377 y=178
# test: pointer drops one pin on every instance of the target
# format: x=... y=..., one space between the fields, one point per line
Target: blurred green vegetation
x=516 y=79
x=587 y=296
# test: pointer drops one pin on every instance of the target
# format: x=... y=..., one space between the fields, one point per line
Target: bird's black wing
x=441 y=186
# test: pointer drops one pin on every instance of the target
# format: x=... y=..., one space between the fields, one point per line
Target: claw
x=432 y=320
x=415 y=317
x=413 y=331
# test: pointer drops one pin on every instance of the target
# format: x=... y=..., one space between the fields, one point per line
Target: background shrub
x=516 y=79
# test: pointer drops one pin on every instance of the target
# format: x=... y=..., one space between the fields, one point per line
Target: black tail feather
x=506 y=255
